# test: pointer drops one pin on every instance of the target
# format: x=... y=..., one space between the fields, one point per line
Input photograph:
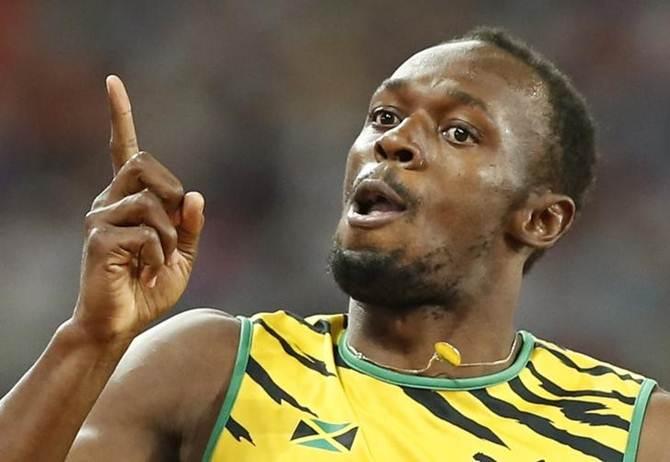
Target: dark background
x=255 y=103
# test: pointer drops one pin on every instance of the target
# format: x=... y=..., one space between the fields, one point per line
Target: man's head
x=488 y=152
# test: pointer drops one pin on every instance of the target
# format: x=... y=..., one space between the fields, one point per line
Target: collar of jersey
x=437 y=383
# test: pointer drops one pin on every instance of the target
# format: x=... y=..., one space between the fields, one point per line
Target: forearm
x=41 y=415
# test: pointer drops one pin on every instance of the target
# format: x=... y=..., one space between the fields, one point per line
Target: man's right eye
x=384 y=118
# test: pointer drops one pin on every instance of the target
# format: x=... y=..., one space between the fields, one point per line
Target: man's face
x=431 y=178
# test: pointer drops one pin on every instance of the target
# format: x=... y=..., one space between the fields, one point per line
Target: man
x=474 y=158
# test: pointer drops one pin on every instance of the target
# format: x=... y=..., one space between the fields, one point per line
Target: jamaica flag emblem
x=335 y=437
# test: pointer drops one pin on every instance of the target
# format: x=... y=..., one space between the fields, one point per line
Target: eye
x=460 y=135
x=384 y=118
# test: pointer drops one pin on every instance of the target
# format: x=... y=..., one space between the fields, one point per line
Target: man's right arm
x=141 y=242
x=163 y=399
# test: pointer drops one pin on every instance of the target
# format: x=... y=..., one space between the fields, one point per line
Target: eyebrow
x=464 y=98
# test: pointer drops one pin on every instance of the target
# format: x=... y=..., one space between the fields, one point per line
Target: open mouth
x=374 y=204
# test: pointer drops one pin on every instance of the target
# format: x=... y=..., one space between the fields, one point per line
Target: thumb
x=192 y=222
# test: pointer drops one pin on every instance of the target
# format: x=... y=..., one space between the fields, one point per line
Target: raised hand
x=142 y=236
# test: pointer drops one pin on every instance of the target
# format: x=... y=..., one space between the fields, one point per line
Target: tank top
x=299 y=393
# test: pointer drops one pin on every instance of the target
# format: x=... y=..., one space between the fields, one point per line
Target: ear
x=542 y=220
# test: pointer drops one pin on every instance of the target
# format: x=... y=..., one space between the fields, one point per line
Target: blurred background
x=255 y=103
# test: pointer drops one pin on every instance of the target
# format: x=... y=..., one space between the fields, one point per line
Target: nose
x=400 y=144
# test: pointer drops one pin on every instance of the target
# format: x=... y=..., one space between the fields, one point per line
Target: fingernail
x=151 y=283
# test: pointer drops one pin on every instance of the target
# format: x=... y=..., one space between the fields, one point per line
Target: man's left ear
x=542 y=220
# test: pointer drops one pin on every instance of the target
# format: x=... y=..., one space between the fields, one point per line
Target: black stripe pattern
x=593 y=370
x=238 y=431
x=481 y=457
x=274 y=391
x=440 y=408
x=303 y=358
x=573 y=409
x=320 y=327
x=543 y=426
x=556 y=390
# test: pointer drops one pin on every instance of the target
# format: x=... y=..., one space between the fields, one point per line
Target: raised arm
x=141 y=240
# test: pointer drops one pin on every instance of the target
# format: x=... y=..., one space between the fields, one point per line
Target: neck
x=481 y=328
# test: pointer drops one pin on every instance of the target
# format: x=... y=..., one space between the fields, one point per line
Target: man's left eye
x=460 y=135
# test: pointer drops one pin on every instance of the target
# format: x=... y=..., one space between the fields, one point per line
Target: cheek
x=502 y=178
x=360 y=162
x=353 y=165
x=490 y=177
x=463 y=206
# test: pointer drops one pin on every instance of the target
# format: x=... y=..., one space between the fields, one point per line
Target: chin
x=384 y=239
x=386 y=277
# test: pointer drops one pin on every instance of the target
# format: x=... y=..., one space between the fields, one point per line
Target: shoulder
x=198 y=338
x=169 y=379
x=196 y=327
x=298 y=329
x=571 y=364
x=647 y=407
x=654 y=441
x=287 y=320
x=189 y=358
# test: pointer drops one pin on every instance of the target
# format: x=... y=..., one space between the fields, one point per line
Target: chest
x=351 y=417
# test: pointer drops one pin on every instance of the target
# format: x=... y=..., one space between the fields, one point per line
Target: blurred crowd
x=255 y=103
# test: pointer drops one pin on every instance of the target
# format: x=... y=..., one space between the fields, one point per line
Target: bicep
x=149 y=404
x=655 y=435
x=123 y=422
x=107 y=442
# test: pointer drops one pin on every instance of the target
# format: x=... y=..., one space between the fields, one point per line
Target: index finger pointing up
x=123 y=141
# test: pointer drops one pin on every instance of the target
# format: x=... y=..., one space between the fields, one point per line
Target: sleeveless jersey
x=299 y=393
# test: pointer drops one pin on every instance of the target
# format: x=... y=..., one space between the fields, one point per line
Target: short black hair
x=568 y=164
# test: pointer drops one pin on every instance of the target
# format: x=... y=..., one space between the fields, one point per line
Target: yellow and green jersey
x=298 y=393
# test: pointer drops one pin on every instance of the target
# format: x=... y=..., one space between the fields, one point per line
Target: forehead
x=470 y=61
x=512 y=93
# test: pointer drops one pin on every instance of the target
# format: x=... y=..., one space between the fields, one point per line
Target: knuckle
x=144 y=156
x=101 y=199
x=128 y=174
x=148 y=233
x=134 y=165
x=173 y=237
x=141 y=199
x=146 y=202
x=173 y=199
x=90 y=220
x=97 y=239
x=97 y=202
x=152 y=242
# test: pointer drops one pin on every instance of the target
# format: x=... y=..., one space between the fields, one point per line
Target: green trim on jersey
x=436 y=383
x=638 y=417
x=239 y=369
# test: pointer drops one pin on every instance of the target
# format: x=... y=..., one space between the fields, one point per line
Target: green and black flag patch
x=314 y=433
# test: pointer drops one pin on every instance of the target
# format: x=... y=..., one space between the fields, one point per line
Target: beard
x=387 y=279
